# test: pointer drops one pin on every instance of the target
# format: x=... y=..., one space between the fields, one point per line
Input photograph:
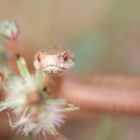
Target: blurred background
x=105 y=37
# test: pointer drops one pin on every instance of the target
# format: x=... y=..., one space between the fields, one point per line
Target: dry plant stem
x=59 y=137
x=5 y=130
x=119 y=94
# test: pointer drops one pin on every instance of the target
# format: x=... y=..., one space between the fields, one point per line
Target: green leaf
x=67 y=109
x=52 y=129
x=4 y=105
x=22 y=67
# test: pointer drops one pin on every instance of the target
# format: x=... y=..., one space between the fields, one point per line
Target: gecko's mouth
x=53 y=69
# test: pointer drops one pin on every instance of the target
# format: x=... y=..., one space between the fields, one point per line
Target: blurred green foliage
x=103 y=130
x=91 y=48
x=104 y=47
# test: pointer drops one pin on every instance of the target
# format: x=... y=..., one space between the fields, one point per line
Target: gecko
x=111 y=93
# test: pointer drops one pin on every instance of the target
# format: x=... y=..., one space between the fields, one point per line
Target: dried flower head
x=34 y=111
x=9 y=29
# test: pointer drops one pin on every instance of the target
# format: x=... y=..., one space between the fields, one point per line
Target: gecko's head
x=54 y=60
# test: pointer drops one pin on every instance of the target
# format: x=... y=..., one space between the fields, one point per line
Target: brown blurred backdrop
x=104 y=35
x=103 y=31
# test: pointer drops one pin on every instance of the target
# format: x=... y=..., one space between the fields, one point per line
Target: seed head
x=34 y=111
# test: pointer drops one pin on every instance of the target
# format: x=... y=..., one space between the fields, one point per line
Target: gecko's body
x=54 y=60
x=98 y=93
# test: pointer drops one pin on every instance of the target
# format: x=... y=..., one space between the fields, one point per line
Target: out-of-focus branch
x=119 y=94
x=110 y=93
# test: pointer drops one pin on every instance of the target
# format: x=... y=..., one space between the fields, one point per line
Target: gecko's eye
x=39 y=56
x=65 y=56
